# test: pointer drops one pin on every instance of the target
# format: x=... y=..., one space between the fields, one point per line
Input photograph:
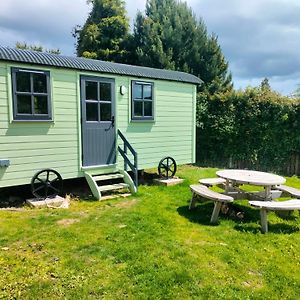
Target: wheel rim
x=167 y=167
x=46 y=184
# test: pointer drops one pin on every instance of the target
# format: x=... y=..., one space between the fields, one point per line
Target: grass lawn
x=148 y=246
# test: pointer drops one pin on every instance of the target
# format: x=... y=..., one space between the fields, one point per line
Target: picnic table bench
x=204 y=191
x=266 y=206
x=212 y=181
x=230 y=181
x=289 y=190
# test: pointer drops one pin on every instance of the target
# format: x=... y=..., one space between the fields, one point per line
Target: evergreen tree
x=105 y=32
x=169 y=36
x=265 y=85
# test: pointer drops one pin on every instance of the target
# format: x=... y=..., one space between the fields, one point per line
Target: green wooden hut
x=90 y=118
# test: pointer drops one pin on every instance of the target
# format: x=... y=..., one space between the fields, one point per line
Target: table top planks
x=251 y=177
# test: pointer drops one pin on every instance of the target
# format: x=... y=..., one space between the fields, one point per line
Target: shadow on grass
x=280 y=228
x=200 y=214
x=250 y=222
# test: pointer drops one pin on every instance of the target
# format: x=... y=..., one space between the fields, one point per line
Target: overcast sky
x=259 y=38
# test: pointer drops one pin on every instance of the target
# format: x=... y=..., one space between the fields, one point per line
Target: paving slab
x=55 y=202
x=168 y=181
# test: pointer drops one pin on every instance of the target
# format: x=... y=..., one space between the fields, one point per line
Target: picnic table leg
x=264 y=220
x=193 y=202
x=216 y=211
x=227 y=186
x=268 y=194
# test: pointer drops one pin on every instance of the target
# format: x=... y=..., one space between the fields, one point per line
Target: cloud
x=258 y=38
x=44 y=22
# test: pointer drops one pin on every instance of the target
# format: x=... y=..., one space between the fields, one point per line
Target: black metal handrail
x=133 y=166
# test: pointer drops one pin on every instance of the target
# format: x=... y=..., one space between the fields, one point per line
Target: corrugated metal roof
x=60 y=61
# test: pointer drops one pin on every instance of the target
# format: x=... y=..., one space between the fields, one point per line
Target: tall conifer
x=105 y=32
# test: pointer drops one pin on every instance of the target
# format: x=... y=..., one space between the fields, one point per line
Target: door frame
x=82 y=79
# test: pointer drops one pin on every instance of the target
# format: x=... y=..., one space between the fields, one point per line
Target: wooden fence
x=290 y=167
x=293 y=164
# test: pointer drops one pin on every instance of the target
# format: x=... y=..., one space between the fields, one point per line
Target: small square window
x=39 y=83
x=22 y=82
x=31 y=95
x=92 y=111
x=137 y=91
x=105 y=111
x=147 y=108
x=138 y=108
x=105 y=91
x=24 y=104
x=91 y=90
x=142 y=101
x=40 y=105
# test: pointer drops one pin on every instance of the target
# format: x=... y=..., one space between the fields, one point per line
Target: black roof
x=79 y=63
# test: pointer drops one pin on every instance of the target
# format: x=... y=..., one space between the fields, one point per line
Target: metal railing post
x=136 y=171
x=125 y=162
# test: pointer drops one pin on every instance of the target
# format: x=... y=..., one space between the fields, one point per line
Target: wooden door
x=97 y=121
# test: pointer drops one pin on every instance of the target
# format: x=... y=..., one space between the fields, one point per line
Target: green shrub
x=255 y=128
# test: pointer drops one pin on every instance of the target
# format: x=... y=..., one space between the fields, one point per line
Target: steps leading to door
x=113 y=187
x=102 y=183
x=108 y=177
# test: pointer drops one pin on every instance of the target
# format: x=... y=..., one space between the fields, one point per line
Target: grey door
x=97 y=113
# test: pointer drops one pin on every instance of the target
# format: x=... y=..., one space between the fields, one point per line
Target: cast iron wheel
x=167 y=167
x=46 y=184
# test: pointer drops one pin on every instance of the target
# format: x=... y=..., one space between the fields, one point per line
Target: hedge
x=255 y=128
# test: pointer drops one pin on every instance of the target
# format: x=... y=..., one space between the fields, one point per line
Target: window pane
x=24 y=104
x=23 y=82
x=148 y=109
x=105 y=91
x=91 y=90
x=40 y=105
x=137 y=91
x=39 y=83
x=92 y=111
x=138 y=108
x=105 y=112
x=147 y=91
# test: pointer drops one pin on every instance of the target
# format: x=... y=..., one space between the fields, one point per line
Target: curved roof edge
x=85 y=64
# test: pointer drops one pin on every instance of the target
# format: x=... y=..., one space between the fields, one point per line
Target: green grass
x=148 y=246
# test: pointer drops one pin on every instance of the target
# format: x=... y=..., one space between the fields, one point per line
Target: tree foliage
x=255 y=128
x=39 y=48
x=105 y=33
x=169 y=36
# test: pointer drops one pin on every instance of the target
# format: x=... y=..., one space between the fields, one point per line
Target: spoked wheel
x=167 y=167
x=46 y=184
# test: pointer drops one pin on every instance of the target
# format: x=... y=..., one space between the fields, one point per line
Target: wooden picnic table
x=234 y=178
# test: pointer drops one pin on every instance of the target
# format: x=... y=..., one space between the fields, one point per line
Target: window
x=142 y=101
x=31 y=94
x=98 y=101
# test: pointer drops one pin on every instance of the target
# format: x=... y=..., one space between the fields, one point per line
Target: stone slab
x=168 y=182
x=56 y=202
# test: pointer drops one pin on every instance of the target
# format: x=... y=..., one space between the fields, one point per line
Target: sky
x=259 y=38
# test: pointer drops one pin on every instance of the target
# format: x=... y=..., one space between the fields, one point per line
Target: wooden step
x=112 y=187
x=107 y=177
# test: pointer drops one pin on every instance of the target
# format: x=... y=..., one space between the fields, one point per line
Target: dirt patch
x=67 y=222
x=125 y=204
